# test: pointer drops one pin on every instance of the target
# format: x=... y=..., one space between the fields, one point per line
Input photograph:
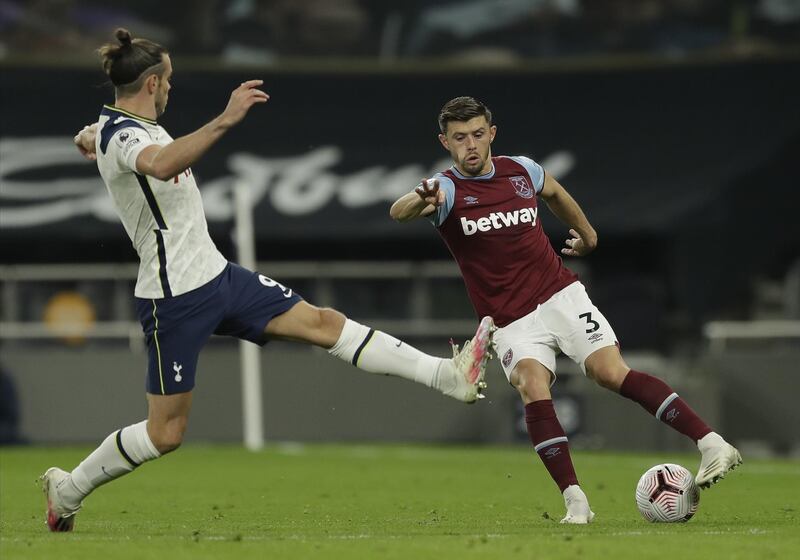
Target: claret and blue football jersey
x=491 y=225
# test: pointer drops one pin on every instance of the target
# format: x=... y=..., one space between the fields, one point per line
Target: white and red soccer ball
x=667 y=494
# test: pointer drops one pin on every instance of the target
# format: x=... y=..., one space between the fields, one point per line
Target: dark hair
x=463 y=109
x=130 y=61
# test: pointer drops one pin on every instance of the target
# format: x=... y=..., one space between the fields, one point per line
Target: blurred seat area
x=486 y=31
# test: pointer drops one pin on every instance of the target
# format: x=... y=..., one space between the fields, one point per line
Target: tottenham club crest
x=521 y=186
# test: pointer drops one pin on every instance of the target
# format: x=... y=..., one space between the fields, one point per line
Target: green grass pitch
x=389 y=501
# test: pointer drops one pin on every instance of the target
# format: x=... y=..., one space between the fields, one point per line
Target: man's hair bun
x=124 y=37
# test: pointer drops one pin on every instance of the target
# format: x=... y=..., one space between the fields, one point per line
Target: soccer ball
x=667 y=494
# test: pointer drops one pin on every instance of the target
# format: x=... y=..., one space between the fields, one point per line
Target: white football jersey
x=164 y=219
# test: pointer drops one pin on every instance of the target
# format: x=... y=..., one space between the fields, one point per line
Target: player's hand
x=242 y=98
x=84 y=141
x=428 y=190
x=577 y=246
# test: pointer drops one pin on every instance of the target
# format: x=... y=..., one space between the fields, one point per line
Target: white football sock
x=377 y=352
x=119 y=454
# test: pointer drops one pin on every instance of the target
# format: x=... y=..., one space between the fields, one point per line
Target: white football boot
x=60 y=518
x=718 y=458
x=578 y=511
x=467 y=369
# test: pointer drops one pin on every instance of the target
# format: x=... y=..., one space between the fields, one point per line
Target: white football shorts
x=568 y=322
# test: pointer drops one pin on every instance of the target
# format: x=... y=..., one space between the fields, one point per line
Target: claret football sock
x=377 y=352
x=661 y=401
x=550 y=442
x=119 y=454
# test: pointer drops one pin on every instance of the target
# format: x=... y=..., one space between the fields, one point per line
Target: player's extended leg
x=120 y=453
x=609 y=370
x=532 y=380
x=377 y=352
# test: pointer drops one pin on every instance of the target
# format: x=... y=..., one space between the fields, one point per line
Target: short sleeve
x=446 y=185
x=534 y=170
x=123 y=141
x=128 y=143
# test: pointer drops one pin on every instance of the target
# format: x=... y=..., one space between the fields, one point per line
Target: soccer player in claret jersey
x=486 y=210
x=186 y=290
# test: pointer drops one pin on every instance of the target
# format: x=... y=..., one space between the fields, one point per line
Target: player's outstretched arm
x=584 y=237
x=422 y=201
x=163 y=162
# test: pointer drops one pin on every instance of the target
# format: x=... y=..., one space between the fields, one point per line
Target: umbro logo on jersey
x=471 y=200
x=499 y=220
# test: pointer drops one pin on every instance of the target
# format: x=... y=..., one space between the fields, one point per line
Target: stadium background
x=673 y=123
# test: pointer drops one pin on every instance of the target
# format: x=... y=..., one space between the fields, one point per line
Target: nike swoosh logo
x=398 y=344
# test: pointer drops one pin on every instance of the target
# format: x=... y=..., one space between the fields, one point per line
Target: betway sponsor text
x=498 y=220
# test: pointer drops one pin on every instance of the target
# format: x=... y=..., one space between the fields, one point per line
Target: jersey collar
x=483 y=177
x=110 y=109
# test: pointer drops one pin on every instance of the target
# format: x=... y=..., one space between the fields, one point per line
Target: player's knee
x=169 y=436
x=533 y=384
x=607 y=368
x=608 y=375
x=330 y=321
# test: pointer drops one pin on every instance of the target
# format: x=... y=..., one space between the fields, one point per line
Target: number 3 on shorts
x=593 y=325
x=270 y=283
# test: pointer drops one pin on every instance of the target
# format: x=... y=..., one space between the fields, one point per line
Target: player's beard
x=473 y=168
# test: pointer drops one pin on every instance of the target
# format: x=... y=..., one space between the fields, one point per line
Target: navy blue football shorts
x=236 y=303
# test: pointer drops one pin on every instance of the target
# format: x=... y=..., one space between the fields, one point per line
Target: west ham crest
x=507 y=357
x=521 y=186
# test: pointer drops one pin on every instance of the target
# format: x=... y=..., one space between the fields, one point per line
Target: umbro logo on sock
x=552 y=452
x=672 y=414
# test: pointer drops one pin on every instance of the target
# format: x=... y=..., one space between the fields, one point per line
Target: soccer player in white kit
x=186 y=290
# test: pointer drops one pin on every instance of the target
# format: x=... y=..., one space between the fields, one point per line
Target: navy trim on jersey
x=162 y=263
x=111 y=128
x=109 y=109
x=357 y=355
x=151 y=201
x=122 y=451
